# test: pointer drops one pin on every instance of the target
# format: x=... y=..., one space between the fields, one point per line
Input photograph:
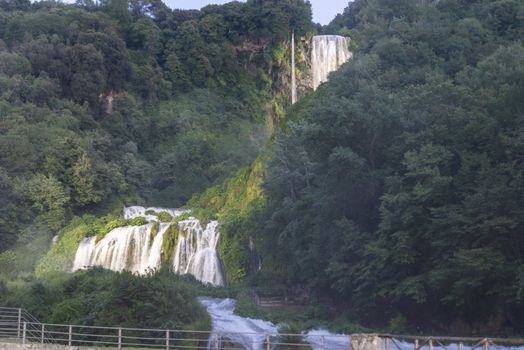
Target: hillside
x=392 y=198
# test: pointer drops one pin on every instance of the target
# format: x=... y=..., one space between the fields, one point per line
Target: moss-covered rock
x=233 y=204
x=113 y=223
x=139 y=221
x=169 y=242
x=62 y=255
x=154 y=230
x=164 y=216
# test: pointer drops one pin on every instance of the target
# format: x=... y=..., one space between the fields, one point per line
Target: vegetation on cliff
x=394 y=194
x=397 y=189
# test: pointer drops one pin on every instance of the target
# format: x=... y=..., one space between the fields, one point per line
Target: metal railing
x=20 y=326
x=410 y=342
x=12 y=320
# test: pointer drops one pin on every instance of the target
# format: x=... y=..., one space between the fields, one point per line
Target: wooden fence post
x=70 y=340
x=387 y=343
x=167 y=339
x=416 y=344
x=268 y=344
x=42 y=336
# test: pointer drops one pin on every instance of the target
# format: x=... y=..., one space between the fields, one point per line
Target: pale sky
x=323 y=10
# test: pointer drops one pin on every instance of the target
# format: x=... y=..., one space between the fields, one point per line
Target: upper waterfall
x=328 y=53
x=139 y=249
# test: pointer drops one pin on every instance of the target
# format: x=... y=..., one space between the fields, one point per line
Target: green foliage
x=165 y=217
x=233 y=204
x=7 y=261
x=169 y=242
x=396 y=189
x=110 y=226
x=100 y=297
x=61 y=256
x=138 y=221
x=114 y=103
x=154 y=230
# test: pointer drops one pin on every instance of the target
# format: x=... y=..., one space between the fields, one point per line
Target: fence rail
x=20 y=326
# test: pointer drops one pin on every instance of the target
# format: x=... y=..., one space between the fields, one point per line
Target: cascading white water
x=249 y=333
x=137 y=211
x=196 y=252
x=328 y=53
x=130 y=248
x=252 y=334
x=133 y=248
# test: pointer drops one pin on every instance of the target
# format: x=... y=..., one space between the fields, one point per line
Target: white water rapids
x=196 y=252
x=328 y=53
x=249 y=333
x=138 y=211
x=252 y=334
x=133 y=248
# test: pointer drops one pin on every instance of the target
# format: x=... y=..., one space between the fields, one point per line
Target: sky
x=323 y=10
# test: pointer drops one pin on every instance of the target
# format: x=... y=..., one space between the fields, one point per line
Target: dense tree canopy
x=122 y=102
x=394 y=192
x=398 y=188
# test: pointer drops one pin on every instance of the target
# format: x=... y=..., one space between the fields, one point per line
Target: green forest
x=392 y=197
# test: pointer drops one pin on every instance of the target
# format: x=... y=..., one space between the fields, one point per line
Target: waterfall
x=137 y=211
x=196 y=252
x=54 y=241
x=129 y=248
x=133 y=248
x=328 y=53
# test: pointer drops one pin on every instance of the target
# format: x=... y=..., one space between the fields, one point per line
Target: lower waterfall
x=129 y=248
x=133 y=248
x=196 y=252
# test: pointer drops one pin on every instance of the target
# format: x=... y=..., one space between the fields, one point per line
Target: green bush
x=170 y=240
x=61 y=256
x=139 y=221
x=103 y=297
x=233 y=204
x=154 y=230
x=164 y=216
